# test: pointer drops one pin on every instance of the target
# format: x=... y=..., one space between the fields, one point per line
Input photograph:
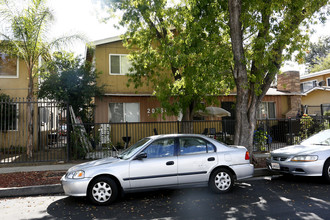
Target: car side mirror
x=141 y=156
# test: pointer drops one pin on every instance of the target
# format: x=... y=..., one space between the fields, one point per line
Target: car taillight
x=247 y=155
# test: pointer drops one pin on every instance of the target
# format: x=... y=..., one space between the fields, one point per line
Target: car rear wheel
x=326 y=170
x=102 y=191
x=221 y=181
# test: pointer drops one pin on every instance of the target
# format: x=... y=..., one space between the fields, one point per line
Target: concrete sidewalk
x=57 y=188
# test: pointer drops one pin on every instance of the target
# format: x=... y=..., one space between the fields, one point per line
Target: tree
x=26 y=38
x=317 y=52
x=263 y=34
x=68 y=79
x=323 y=65
x=172 y=49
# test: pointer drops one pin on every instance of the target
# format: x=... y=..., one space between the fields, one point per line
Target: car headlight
x=76 y=174
x=304 y=158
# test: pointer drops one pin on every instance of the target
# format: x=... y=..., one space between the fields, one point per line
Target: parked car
x=161 y=161
x=310 y=158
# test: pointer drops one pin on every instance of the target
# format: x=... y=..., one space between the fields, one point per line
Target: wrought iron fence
x=317 y=110
x=48 y=133
x=54 y=139
x=269 y=135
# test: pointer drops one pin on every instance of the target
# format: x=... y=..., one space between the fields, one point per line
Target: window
x=9 y=116
x=195 y=146
x=160 y=148
x=266 y=110
x=8 y=66
x=119 y=64
x=328 y=81
x=122 y=112
x=305 y=86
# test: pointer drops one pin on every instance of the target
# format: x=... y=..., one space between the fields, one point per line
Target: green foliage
x=68 y=79
x=177 y=50
x=260 y=139
x=26 y=33
x=324 y=64
x=317 y=52
x=306 y=123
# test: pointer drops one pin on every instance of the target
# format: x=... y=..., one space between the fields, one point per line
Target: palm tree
x=26 y=37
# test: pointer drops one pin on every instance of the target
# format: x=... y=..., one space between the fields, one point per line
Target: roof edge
x=107 y=40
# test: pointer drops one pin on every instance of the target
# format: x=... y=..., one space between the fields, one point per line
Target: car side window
x=193 y=145
x=160 y=148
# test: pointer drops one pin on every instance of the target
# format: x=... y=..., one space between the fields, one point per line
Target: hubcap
x=222 y=181
x=101 y=192
x=329 y=171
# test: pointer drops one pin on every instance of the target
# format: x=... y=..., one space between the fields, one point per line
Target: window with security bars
x=9 y=116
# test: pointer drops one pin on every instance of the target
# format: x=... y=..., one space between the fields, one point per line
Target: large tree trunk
x=244 y=126
x=29 y=145
x=187 y=117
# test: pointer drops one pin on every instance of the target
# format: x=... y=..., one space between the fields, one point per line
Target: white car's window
x=192 y=145
x=321 y=138
x=129 y=152
x=160 y=148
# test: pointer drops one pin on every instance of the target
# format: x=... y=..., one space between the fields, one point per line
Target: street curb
x=31 y=190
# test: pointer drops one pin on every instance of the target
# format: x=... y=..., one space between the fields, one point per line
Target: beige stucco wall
x=16 y=87
x=316 y=97
x=114 y=84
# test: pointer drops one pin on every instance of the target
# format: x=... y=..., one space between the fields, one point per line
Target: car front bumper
x=75 y=187
x=296 y=168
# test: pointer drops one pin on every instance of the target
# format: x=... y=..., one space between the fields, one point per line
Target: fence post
x=178 y=126
x=290 y=131
x=68 y=131
x=322 y=110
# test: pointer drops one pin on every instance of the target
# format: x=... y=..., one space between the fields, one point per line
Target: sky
x=83 y=17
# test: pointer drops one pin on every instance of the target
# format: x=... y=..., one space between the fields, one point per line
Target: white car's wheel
x=102 y=191
x=326 y=171
x=221 y=181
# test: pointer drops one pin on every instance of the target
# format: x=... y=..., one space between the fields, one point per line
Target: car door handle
x=211 y=159
x=169 y=163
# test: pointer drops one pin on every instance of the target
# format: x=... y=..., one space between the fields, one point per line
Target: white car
x=310 y=158
x=162 y=161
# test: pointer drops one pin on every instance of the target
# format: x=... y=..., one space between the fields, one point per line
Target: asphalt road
x=263 y=198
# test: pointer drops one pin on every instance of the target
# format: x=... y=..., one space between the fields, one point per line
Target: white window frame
x=311 y=81
x=17 y=72
x=120 y=70
x=124 y=110
x=267 y=111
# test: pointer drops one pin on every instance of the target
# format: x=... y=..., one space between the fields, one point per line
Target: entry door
x=158 y=169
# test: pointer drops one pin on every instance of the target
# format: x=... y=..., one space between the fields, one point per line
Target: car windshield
x=321 y=138
x=129 y=152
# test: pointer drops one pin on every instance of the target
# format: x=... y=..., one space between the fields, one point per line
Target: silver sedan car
x=162 y=161
x=310 y=158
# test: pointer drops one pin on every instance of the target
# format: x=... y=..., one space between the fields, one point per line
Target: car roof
x=176 y=135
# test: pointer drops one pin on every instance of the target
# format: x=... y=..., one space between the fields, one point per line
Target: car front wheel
x=326 y=171
x=221 y=181
x=102 y=191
